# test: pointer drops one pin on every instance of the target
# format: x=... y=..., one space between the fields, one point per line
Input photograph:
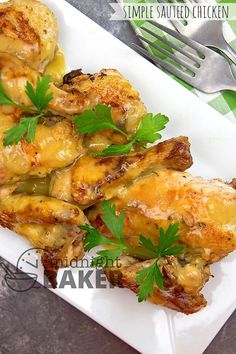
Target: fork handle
x=227 y=50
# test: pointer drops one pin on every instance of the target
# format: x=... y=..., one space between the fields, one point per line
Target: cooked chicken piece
x=109 y=87
x=28 y=30
x=24 y=209
x=83 y=92
x=183 y=281
x=60 y=244
x=205 y=210
x=7 y=190
x=93 y=179
x=60 y=185
x=90 y=179
x=55 y=146
x=47 y=223
x=14 y=75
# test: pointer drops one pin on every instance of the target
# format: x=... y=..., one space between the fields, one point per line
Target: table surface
x=40 y=322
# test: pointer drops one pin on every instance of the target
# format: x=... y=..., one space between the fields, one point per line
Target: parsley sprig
x=150 y=275
x=39 y=96
x=147 y=277
x=92 y=121
x=27 y=125
x=4 y=98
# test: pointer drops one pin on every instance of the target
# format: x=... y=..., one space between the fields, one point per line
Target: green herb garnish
x=39 y=96
x=4 y=98
x=147 y=277
x=166 y=247
x=27 y=125
x=92 y=121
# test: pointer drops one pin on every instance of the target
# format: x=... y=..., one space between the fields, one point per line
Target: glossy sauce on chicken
x=57 y=67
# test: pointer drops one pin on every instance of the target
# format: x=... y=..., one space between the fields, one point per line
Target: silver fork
x=209 y=73
x=206 y=32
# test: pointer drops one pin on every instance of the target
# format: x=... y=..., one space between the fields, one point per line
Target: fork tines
x=171 y=68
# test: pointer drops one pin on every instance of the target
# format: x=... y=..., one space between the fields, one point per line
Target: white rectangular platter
x=149 y=328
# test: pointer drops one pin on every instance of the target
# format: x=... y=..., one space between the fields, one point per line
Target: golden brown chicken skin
x=55 y=146
x=14 y=75
x=60 y=245
x=22 y=208
x=29 y=31
x=47 y=223
x=183 y=281
x=205 y=210
x=90 y=180
x=110 y=88
x=94 y=179
x=107 y=87
x=206 y=214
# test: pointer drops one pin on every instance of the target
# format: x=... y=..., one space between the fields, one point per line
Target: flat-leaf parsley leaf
x=100 y=118
x=151 y=275
x=27 y=125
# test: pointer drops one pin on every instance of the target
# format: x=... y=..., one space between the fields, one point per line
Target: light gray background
x=38 y=322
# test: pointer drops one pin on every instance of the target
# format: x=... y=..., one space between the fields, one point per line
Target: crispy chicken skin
x=28 y=30
x=55 y=146
x=94 y=179
x=205 y=210
x=108 y=87
x=182 y=281
x=47 y=223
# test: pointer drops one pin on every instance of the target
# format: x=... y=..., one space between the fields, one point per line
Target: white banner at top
x=177 y=11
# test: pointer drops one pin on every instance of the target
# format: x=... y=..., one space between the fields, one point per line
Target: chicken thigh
x=49 y=224
x=206 y=214
x=55 y=146
x=29 y=31
x=91 y=180
x=83 y=92
x=205 y=210
x=183 y=281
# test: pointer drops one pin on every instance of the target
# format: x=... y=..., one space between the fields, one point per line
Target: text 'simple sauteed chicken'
x=76 y=172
